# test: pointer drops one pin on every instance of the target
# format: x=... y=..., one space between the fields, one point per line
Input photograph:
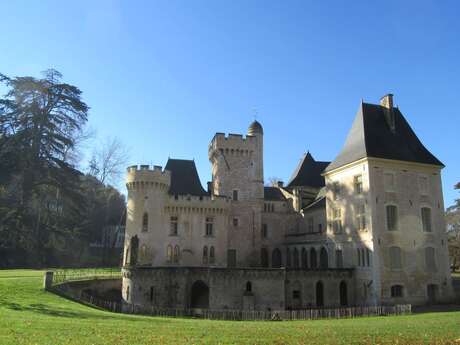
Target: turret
x=147 y=194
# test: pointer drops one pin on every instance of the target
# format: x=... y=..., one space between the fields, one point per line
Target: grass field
x=29 y=315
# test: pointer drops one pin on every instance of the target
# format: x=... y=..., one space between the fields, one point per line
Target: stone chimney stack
x=280 y=184
x=387 y=103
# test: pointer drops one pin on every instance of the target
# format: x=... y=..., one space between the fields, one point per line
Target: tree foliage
x=44 y=203
x=453 y=231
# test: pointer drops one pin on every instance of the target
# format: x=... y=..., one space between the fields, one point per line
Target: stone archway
x=199 y=295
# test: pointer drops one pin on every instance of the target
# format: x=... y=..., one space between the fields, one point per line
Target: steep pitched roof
x=371 y=136
x=273 y=194
x=184 y=177
x=308 y=173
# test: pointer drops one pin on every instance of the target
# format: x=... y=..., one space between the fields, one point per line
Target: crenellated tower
x=147 y=194
x=237 y=164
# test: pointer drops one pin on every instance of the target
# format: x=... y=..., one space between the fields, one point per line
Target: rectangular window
x=310 y=225
x=359 y=256
x=423 y=184
x=335 y=190
x=358 y=181
x=368 y=256
x=173 y=227
x=209 y=226
x=389 y=180
x=320 y=228
x=396 y=291
x=296 y=294
x=231 y=258
x=338 y=258
x=361 y=217
x=395 y=258
x=426 y=219
x=235 y=195
x=265 y=207
x=235 y=222
x=392 y=217
x=264 y=231
x=337 y=221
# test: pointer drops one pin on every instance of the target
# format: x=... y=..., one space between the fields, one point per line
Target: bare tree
x=109 y=160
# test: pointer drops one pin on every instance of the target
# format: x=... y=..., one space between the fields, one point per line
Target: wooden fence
x=224 y=314
x=246 y=315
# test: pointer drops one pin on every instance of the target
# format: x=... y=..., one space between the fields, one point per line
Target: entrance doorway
x=199 y=295
x=432 y=292
x=343 y=294
x=319 y=294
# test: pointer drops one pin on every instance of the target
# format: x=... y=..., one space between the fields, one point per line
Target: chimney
x=210 y=191
x=280 y=184
x=387 y=103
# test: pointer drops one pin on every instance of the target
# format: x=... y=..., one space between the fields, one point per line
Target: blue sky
x=164 y=76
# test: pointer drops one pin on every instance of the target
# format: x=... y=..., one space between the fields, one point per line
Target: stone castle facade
x=365 y=229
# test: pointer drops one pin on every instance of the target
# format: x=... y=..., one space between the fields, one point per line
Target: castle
x=365 y=229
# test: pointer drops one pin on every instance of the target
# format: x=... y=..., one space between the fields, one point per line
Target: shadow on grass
x=59 y=312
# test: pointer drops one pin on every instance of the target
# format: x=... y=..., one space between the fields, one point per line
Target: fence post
x=48 y=280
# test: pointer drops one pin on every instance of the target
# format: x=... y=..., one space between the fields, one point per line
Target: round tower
x=255 y=129
x=147 y=193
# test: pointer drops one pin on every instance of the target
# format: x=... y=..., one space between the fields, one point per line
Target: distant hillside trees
x=49 y=210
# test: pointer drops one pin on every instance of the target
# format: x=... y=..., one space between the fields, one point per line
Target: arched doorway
x=313 y=259
x=319 y=294
x=343 y=293
x=276 y=258
x=323 y=258
x=199 y=295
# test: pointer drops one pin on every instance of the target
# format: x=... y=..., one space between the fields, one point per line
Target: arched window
x=430 y=261
x=212 y=257
x=145 y=222
x=304 y=258
x=323 y=258
x=176 y=254
x=313 y=258
x=426 y=219
x=397 y=291
x=264 y=257
x=395 y=258
x=169 y=253
x=288 y=258
x=143 y=253
x=205 y=255
x=248 y=287
x=392 y=217
x=296 y=258
x=134 y=250
x=276 y=258
x=127 y=255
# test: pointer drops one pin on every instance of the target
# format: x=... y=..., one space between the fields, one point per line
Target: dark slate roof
x=255 y=128
x=184 y=178
x=308 y=173
x=371 y=136
x=273 y=194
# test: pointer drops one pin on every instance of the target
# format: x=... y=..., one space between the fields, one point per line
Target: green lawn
x=29 y=315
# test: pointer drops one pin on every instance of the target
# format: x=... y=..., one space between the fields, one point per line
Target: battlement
x=200 y=204
x=233 y=143
x=145 y=175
